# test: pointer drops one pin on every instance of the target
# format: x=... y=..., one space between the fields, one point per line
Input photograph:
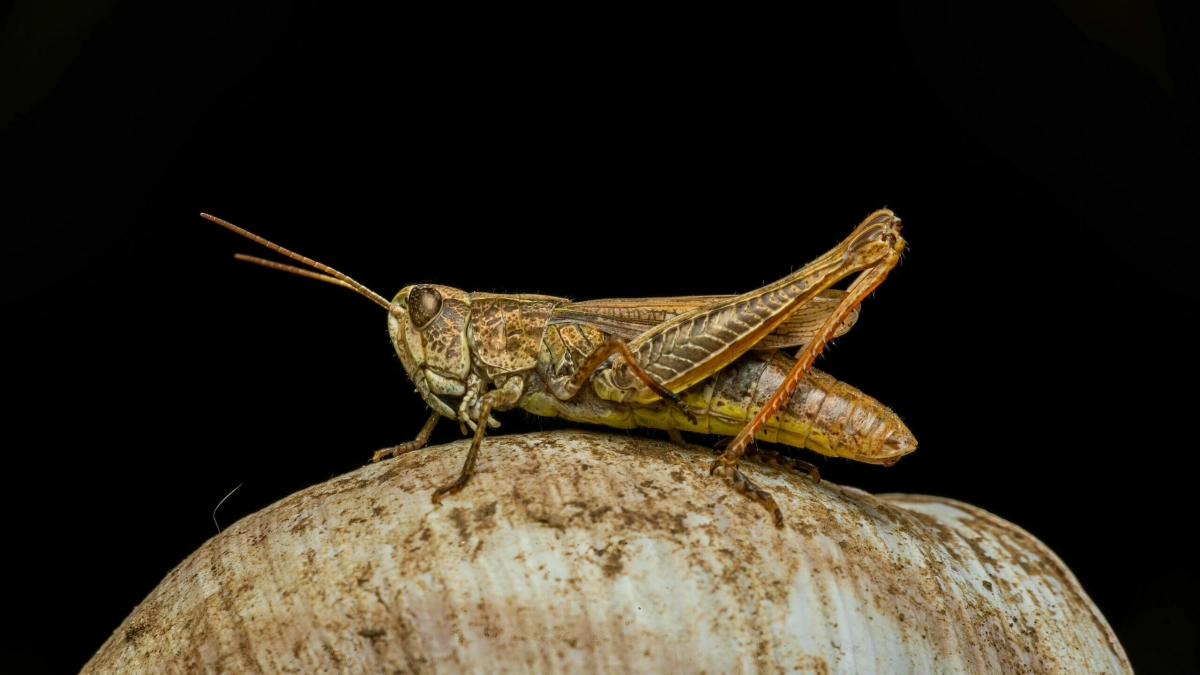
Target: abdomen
x=823 y=414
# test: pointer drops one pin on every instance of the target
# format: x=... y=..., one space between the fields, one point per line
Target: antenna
x=334 y=277
x=294 y=270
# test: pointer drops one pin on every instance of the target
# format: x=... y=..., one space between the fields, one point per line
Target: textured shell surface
x=586 y=552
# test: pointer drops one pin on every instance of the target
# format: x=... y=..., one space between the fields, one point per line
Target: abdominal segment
x=823 y=414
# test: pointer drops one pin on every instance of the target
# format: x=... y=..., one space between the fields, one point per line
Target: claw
x=726 y=470
x=452 y=487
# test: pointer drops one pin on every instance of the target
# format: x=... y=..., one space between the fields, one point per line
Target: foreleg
x=508 y=392
x=415 y=444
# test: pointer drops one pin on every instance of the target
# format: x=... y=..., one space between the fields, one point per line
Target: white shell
x=578 y=552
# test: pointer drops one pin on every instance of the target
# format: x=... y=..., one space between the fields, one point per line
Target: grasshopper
x=710 y=364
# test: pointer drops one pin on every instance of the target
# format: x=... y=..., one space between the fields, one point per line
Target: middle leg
x=566 y=387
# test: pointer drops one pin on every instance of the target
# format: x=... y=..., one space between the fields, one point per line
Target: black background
x=1036 y=337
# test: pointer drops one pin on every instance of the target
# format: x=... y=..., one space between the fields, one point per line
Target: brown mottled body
x=669 y=363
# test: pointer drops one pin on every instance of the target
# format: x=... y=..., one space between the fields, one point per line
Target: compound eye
x=424 y=304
